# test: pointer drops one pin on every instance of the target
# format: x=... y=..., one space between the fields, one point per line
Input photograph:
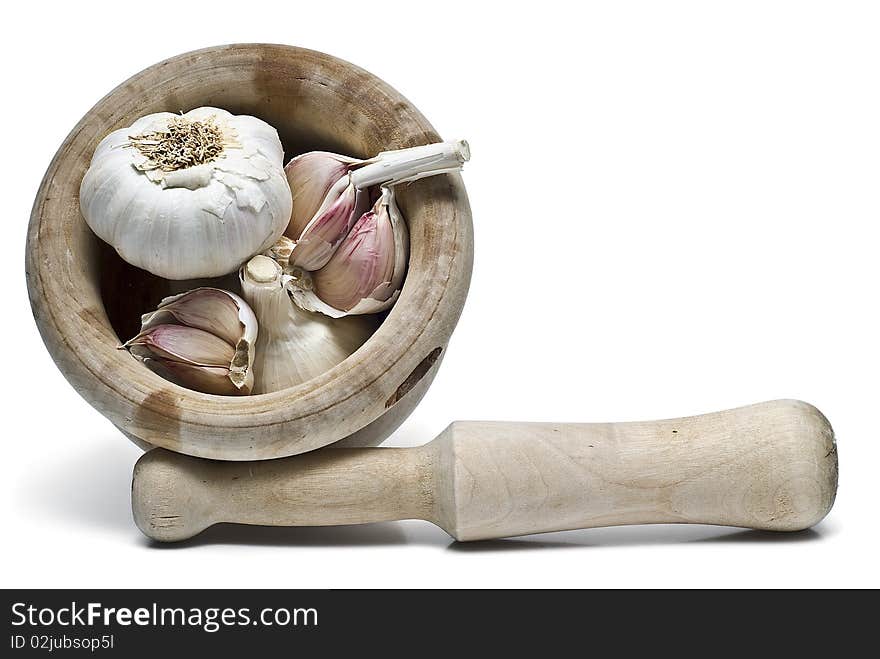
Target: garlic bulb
x=330 y=192
x=203 y=339
x=188 y=196
x=294 y=345
x=365 y=273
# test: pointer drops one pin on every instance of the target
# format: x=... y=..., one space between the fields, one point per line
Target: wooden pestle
x=769 y=466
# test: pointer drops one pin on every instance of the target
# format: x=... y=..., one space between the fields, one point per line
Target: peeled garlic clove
x=331 y=224
x=311 y=176
x=365 y=274
x=198 y=339
x=294 y=345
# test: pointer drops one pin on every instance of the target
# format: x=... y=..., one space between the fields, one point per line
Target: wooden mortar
x=86 y=300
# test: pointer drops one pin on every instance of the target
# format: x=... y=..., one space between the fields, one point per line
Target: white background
x=676 y=211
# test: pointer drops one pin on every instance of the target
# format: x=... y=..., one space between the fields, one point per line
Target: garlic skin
x=331 y=192
x=294 y=345
x=188 y=196
x=203 y=339
x=366 y=272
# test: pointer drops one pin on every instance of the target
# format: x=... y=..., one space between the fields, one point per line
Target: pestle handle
x=175 y=496
x=769 y=466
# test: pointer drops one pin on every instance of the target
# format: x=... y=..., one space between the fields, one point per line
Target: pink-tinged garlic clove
x=184 y=344
x=331 y=224
x=331 y=192
x=366 y=272
x=311 y=176
x=208 y=309
x=203 y=339
x=207 y=379
x=363 y=263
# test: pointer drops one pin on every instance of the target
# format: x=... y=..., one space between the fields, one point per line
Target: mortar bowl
x=86 y=300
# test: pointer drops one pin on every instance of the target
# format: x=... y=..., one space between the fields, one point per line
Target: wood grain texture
x=770 y=466
x=85 y=298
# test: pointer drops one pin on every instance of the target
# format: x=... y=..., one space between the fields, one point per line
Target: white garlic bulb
x=294 y=345
x=188 y=196
x=203 y=339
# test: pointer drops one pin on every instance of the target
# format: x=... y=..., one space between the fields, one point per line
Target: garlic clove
x=363 y=262
x=301 y=286
x=331 y=192
x=206 y=328
x=294 y=345
x=184 y=344
x=208 y=309
x=331 y=224
x=365 y=274
x=207 y=379
x=311 y=176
